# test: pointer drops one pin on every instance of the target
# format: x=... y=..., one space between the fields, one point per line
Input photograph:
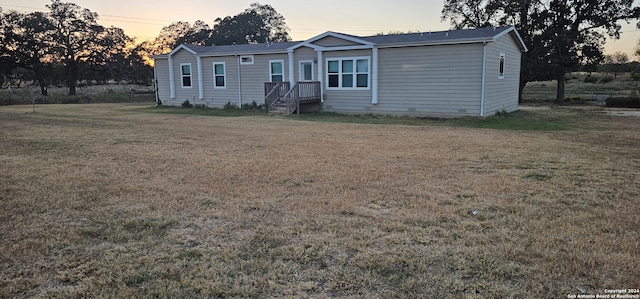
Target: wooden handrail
x=301 y=91
x=273 y=91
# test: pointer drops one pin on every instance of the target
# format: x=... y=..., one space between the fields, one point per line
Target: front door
x=306 y=70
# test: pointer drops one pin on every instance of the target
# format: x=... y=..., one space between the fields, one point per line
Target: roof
x=242 y=49
x=487 y=34
x=470 y=35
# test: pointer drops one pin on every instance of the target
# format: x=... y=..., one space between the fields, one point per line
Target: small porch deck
x=280 y=96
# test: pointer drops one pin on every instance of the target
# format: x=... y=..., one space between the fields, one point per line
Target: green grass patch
x=538 y=176
x=519 y=120
x=516 y=121
x=204 y=111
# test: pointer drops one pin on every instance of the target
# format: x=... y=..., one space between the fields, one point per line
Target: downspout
x=200 y=81
x=239 y=84
x=155 y=83
x=484 y=75
x=374 y=77
x=172 y=89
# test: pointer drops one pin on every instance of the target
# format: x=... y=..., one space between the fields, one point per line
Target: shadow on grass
x=518 y=120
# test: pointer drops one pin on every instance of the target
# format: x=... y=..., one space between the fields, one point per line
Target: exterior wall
x=251 y=86
x=502 y=94
x=443 y=80
x=254 y=76
x=162 y=80
x=218 y=97
x=184 y=93
x=347 y=101
x=304 y=53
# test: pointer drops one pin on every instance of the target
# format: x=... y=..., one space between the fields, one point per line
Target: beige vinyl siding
x=162 y=80
x=331 y=41
x=304 y=53
x=185 y=93
x=347 y=101
x=255 y=75
x=218 y=97
x=502 y=94
x=443 y=80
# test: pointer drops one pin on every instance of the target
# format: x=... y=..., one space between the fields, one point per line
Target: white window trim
x=224 y=75
x=502 y=60
x=355 y=73
x=248 y=62
x=270 y=69
x=190 y=75
x=301 y=70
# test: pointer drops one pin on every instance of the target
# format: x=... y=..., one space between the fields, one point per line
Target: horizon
x=417 y=16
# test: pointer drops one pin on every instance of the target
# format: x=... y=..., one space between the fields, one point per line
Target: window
x=219 y=75
x=246 y=59
x=185 y=70
x=501 y=67
x=276 y=70
x=348 y=73
x=306 y=70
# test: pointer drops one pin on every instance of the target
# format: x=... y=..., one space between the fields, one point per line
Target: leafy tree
x=239 y=29
x=257 y=24
x=7 y=62
x=177 y=33
x=140 y=70
x=27 y=37
x=577 y=30
x=562 y=35
x=75 y=37
x=274 y=28
x=197 y=34
x=113 y=43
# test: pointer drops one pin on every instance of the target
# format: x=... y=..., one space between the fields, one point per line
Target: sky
x=143 y=19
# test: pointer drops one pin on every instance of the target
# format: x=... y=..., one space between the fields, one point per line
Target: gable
x=331 y=41
x=182 y=47
x=516 y=38
x=181 y=52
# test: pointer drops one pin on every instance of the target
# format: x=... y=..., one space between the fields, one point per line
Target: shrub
x=251 y=106
x=186 y=104
x=623 y=102
x=229 y=106
x=606 y=79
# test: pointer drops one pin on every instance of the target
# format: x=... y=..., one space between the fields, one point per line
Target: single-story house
x=473 y=72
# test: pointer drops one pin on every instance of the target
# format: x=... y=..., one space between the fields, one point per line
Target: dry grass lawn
x=111 y=201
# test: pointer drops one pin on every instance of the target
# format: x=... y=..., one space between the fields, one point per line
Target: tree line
x=66 y=44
